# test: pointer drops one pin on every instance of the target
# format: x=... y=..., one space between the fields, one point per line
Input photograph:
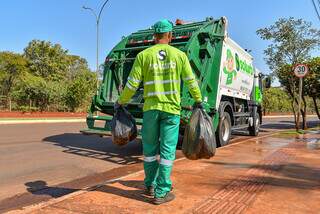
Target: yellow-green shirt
x=161 y=68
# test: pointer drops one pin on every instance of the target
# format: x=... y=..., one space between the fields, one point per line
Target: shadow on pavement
x=40 y=187
x=286 y=175
x=278 y=126
x=97 y=147
x=138 y=184
x=136 y=194
x=287 y=124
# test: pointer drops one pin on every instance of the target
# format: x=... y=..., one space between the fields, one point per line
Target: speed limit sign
x=300 y=70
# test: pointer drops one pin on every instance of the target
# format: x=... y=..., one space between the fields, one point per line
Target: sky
x=66 y=23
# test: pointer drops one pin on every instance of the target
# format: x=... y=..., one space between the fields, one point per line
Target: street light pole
x=97 y=17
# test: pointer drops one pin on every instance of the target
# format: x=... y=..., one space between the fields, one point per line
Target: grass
x=294 y=132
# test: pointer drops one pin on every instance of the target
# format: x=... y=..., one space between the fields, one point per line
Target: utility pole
x=97 y=17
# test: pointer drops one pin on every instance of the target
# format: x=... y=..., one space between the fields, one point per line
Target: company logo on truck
x=234 y=64
x=229 y=68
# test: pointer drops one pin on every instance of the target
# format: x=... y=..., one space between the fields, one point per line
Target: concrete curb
x=30 y=121
x=32 y=208
x=77 y=120
x=284 y=116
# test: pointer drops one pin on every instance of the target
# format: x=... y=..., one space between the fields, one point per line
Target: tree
x=275 y=100
x=76 y=65
x=81 y=84
x=68 y=79
x=47 y=78
x=47 y=60
x=32 y=91
x=12 y=66
x=312 y=82
x=292 y=41
x=80 y=90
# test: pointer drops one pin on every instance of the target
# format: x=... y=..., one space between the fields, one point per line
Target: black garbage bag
x=199 y=140
x=123 y=127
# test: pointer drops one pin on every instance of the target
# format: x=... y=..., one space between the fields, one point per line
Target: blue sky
x=65 y=22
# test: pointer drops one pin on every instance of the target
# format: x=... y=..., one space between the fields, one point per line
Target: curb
x=77 y=120
x=32 y=208
x=284 y=116
x=31 y=121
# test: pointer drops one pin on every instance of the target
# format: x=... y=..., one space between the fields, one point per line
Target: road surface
x=36 y=157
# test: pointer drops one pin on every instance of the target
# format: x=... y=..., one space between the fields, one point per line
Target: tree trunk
x=304 y=113
x=10 y=104
x=294 y=114
x=291 y=92
x=316 y=106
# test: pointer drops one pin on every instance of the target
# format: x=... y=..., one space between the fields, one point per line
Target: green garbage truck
x=230 y=84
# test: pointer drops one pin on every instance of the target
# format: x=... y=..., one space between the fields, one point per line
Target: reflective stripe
x=150 y=159
x=130 y=86
x=187 y=78
x=193 y=85
x=160 y=82
x=161 y=93
x=134 y=80
x=166 y=162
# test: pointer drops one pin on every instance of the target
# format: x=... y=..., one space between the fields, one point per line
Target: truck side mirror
x=267 y=82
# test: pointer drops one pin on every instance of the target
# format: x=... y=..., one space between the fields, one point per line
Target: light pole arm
x=104 y=4
x=94 y=13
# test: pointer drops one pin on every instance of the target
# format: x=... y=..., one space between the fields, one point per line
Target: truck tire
x=223 y=132
x=254 y=129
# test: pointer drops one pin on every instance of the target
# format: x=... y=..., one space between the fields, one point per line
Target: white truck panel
x=236 y=72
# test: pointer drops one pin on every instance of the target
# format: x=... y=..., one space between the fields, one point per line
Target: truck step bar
x=241 y=114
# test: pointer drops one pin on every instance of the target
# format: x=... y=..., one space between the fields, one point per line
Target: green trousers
x=160 y=133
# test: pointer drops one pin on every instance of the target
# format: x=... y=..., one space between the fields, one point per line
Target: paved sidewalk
x=275 y=174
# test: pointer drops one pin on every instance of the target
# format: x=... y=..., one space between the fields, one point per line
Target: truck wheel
x=254 y=129
x=223 y=132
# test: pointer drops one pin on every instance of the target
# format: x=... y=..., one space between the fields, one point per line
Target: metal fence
x=6 y=104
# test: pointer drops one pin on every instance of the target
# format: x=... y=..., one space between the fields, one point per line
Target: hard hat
x=163 y=26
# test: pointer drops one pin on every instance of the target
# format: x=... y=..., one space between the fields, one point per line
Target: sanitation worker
x=160 y=68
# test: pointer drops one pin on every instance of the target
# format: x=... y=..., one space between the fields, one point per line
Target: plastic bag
x=123 y=127
x=199 y=140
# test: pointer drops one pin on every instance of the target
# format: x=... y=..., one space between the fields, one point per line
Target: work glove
x=198 y=105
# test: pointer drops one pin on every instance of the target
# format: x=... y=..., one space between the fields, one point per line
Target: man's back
x=162 y=67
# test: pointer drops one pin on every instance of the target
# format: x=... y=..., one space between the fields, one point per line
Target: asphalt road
x=36 y=158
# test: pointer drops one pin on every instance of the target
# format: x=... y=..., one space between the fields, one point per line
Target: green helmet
x=163 y=26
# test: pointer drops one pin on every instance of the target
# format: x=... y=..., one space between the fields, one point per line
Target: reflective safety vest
x=161 y=68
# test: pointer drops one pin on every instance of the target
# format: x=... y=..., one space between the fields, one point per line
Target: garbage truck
x=231 y=86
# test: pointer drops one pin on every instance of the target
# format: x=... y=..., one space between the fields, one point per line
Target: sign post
x=300 y=70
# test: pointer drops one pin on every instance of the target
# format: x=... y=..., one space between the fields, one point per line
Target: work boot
x=168 y=197
x=149 y=191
